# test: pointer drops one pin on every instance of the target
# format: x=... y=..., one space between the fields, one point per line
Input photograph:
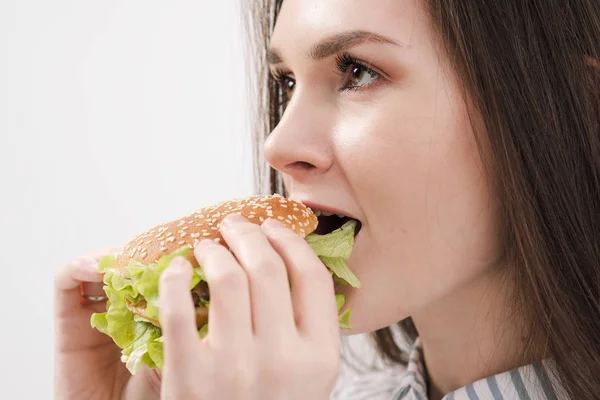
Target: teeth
x=318 y=213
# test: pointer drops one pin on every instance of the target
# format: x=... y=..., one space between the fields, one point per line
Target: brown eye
x=361 y=76
x=288 y=87
x=285 y=86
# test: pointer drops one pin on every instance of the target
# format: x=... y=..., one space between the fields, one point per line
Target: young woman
x=465 y=137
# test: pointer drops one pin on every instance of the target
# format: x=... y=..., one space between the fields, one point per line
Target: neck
x=469 y=336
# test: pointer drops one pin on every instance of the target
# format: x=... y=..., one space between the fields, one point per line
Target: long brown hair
x=531 y=69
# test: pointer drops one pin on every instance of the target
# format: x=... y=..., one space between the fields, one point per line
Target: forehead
x=303 y=22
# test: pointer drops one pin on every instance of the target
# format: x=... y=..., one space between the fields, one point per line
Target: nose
x=300 y=145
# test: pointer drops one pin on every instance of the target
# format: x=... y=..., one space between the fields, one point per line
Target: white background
x=114 y=116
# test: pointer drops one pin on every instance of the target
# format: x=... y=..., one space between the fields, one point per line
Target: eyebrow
x=335 y=44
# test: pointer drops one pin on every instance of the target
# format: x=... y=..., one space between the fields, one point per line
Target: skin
x=88 y=363
x=398 y=152
x=263 y=342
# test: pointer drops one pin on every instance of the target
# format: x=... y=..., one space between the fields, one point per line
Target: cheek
x=419 y=181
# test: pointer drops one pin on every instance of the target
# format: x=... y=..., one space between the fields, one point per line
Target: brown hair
x=531 y=69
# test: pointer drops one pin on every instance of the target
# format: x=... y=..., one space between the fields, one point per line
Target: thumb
x=177 y=316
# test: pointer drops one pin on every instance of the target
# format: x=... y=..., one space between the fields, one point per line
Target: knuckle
x=277 y=374
x=229 y=278
x=278 y=365
x=266 y=266
x=241 y=372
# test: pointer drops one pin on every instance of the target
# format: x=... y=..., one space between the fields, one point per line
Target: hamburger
x=131 y=278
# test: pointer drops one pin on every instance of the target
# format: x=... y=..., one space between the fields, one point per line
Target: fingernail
x=179 y=262
x=232 y=219
x=204 y=243
x=273 y=224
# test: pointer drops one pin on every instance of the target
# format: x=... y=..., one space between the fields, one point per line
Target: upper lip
x=329 y=209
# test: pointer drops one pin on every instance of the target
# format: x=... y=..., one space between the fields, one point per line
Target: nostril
x=300 y=165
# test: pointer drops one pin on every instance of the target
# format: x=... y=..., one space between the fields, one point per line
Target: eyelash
x=344 y=62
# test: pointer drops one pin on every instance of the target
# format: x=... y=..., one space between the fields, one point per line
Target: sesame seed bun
x=163 y=239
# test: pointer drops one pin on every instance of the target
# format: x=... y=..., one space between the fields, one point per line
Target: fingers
x=68 y=282
x=230 y=319
x=312 y=286
x=82 y=269
x=270 y=297
x=177 y=317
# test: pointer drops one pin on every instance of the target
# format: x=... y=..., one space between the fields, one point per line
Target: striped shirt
x=530 y=382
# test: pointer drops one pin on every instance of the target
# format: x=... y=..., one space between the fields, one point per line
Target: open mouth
x=329 y=222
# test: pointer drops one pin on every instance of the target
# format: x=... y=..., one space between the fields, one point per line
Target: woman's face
x=376 y=128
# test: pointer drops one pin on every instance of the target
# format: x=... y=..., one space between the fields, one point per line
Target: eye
x=356 y=74
x=288 y=86
x=285 y=86
x=362 y=76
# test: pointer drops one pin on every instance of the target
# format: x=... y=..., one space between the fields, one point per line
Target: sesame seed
x=170 y=240
x=280 y=218
x=181 y=242
x=206 y=234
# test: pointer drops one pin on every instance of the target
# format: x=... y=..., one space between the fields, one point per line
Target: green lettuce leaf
x=139 y=339
x=334 y=250
x=141 y=342
x=344 y=319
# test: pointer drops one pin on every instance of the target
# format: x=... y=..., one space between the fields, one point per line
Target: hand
x=88 y=363
x=263 y=342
